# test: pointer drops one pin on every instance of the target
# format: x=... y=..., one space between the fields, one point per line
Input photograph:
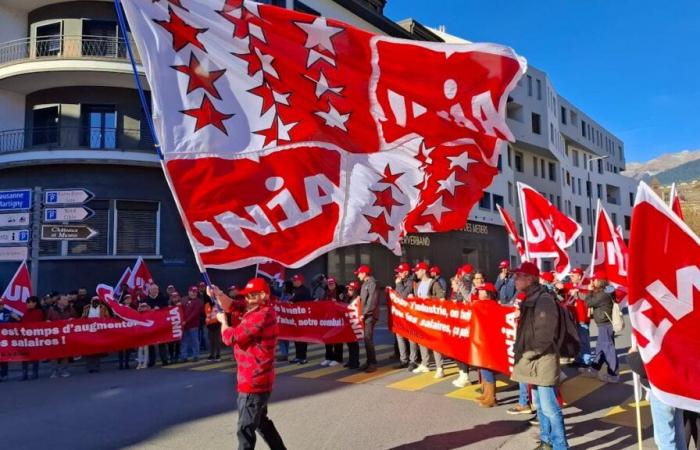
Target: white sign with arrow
x=70 y=214
x=67 y=196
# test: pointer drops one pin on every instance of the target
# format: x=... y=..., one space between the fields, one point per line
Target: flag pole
x=149 y=121
x=638 y=412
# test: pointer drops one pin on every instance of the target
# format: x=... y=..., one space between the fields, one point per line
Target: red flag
x=18 y=290
x=675 y=202
x=272 y=270
x=509 y=225
x=106 y=294
x=608 y=256
x=286 y=135
x=140 y=278
x=123 y=280
x=548 y=231
x=664 y=296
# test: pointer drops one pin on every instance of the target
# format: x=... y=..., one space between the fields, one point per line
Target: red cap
x=363 y=269
x=403 y=267
x=193 y=289
x=256 y=285
x=528 y=268
x=489 y=287
x=504 y=264
x=577 y=271
x=435 y=269
x=298 y=277
x=547 y=276
x=600 y=275
x=421 y=266
x=331 y=280
x=354 y=285
x=465 y=269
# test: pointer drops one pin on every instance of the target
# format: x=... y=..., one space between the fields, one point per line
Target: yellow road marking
x=626 y=416
x=364 y=377
x=470 y=392
x=575 y=388
x=214 y=366
x=418 y=382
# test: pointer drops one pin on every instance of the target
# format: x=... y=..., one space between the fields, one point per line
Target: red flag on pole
x=123 y=280
x=608 y=257
x=272 y=270
x=18 y=290
x=664 y=299
x=547 y=231
x=512 y=231
x=140 y=278
x=675 y=202
x=286 y=135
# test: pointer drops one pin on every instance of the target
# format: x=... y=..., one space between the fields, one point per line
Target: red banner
x=78 y=337
x=480 y=333
x=325 y=322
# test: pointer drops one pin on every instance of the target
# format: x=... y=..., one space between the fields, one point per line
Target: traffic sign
x=19 y=219
x=16 y=199
x=13 y=253
x=74 y=214
x=14 y=236
x=67 y=232
x=66 y=196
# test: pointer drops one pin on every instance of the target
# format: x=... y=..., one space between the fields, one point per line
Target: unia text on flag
x=512 y=231
x=285 y=135
x=18 y=290
x=675 y=201
x=140 y=279
x=664 y=294
x=124 y=279
x=547 y=231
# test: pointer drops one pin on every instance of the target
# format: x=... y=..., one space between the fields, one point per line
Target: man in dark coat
x=369 y=296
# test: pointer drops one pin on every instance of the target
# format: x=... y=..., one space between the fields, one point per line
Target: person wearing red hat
x=352 y=291
x=505 y=283
x=192 y=309
x=461 y=285
x=369 y=296
x=428 y=288
x=334 y=352
x=254 y=341
x=300 y=293
x=435 y=275
x=601 y=299
x=407 y=350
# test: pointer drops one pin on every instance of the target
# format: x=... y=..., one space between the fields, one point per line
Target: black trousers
x=35 y=369
x=173 y=350
x=353 y=355
x=4 y=367
x=214 y=340
x=334 y=352
x=252 y=417
x=692 y=427
x=300 y=349
x=369 y=340
x=162 y=352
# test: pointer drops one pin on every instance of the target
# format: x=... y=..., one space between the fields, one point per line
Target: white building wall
x=13 y=24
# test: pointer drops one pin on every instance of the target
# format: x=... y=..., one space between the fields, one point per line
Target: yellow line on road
x=418 y=382
x=625 y=415
x=214 y=366
x=364 y=377
x=575 y=388
x=470 y=392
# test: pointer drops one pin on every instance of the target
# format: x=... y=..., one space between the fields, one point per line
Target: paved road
x=192 y=406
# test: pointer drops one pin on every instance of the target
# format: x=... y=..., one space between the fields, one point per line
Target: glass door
x=45 y=125
x=100 y=38
x=100 y=126
x=48 y=40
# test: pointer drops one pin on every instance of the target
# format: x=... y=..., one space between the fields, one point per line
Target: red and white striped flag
x=123 y=280
x=512 y=231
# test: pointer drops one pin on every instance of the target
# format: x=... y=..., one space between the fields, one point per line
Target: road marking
x=575 y=388
x=626 y=416
x=470 y=392
x=323 y=371
x=418 y=382
x=184 y=365
x=214 y=366
x=364 y=377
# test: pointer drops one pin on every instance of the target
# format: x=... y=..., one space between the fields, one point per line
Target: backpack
x=617 y=321
x=567 y=342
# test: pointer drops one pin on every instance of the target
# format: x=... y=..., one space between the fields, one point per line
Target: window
x=573 y=185
x=552 y=172
x=563 y=115
x=102 y=39
x=574 y=117
x=485 y=202
x=539 y=89
x=574 y=157
x=558 y=202
x=613 y=216
x=631 y=198
x=576 y=245
x=48 y=40
x=510 y=193
x=499 y=164
x=551 y=132
x=588 y=216
x=534 y=165
x=137 y=228
x=509 y=156
x=536 y=125
x=600 y=190
x=628 y=222
x=99 y=126
x=588 y=188
x=579 y=186
x=518 y=161
x=497 y=200
x=568 y=178
x=529 y=86
x=45 y=122
x=542 y=172
x=590 y=244
x=583 y=128
x=600 y=166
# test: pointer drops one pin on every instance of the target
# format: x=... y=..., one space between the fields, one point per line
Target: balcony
x=31 y=64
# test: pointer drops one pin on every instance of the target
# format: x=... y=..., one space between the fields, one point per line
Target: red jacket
x=33 y=315
x=192 y=309
x=254 y=341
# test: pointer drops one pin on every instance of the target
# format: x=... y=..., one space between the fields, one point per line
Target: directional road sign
x=19 y=219
x=69 y=214
x=66 y=196
x=16 y=199
x=13 y=253
x=67 y=232
x=14 y=236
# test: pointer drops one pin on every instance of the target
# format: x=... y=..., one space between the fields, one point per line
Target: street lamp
x=589 y=168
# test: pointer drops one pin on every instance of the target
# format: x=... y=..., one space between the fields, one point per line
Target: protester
x=254 y=342
x=369 y=296
x=125 y=355
x=487 y=292
x=34 y=314
x=203 y=336
x=285 y=295
x=408 y=351
x=300 y=293
x=156 y=301
x=175 y=347
x=477 y=280
x=318 y=287
x=352 y=291
x=505 y=283
x=435 y=275
x=575 y=295
x=94 y=310
x=60 y=311
x=192 y=309
x=601 y=301
x=428 y=288
x=6 y=316
x=81 y=300
x=214 y=331
x=334 y=352
x=461 y=286
x=536 y=358
x=143 y=351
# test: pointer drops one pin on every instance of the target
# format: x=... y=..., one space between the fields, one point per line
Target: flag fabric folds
x=512 y=231
x=18 y=290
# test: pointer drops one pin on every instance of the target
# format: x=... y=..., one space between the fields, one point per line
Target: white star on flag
x=436 y=209
x=425 y=228
x=280 y=98
x=283 y=129
x=266 y=63
x=322 y=86
x=462 y=161
x=315 y=56
x=449 y=184
x=333 y=118
x=319 y=33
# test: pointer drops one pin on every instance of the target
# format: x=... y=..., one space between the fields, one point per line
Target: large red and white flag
x=140 y=279
x=18 y=290
x=608 y=255
x=664 y=299
x=547 y=231
x=512 y=231
x=286 y=135
x=123 y=280
x=675 y=201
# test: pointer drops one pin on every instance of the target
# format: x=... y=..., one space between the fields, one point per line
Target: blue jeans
x=669 y=433
x=551 y=419
x=487 y=376
x=284 y=348
x=605 y=349
x=523 y=394
x=584 y=336
x=190 y=343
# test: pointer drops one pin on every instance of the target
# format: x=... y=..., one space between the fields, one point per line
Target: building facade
x=70 y=117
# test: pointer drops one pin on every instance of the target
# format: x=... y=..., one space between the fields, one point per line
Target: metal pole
x=590 y=206
x=637 y=398
x=36 y=238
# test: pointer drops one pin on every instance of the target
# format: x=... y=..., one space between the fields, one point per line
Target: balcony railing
x=72 y=138
x=64 y=47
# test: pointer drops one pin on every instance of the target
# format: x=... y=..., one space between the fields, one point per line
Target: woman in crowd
x=487 y=292
x=352 y=291
x=34 y=314
x=174 y=347
x=461 y=288
x=125 y=355
x=334 y=352
x=142 y=352
x=214 y=331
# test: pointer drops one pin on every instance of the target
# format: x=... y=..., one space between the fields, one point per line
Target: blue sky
x=633 y=65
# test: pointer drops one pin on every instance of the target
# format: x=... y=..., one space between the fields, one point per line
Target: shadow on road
x=457 y=439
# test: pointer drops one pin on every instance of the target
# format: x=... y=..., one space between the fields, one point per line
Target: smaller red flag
x=18 y=290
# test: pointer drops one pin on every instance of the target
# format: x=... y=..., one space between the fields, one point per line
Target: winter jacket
x=191 y=311
x=334 y=294
x=318 y=291
x=602 y=304
x=33 y=315
x=300 y=294
x=254 y=341
x=158 y=301
x=435 y=290
x=536 y=358
x=57 y=313
x=369 y=296
x=464 y=287
x=506 y=288
x=404 y=287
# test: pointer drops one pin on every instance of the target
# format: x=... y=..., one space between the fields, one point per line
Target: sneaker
x=461 y=381
x=412 y=366
x=333 y=364
x=303 y=361
x=607 y=378
x=534 y=422
x=544 y=446
x=421 y=369
x=371 y=368
x=210 y=359
x=294 y=361
x=325 y=363
x=439 y=373
x=65 y=374
x=519 y=409
x=217 y=359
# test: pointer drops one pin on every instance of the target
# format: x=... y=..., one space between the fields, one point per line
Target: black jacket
x=369 y=295
x=539 y=323
x=602 y=304
x=300 y=294
x=157 y=302
x=405 y=287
